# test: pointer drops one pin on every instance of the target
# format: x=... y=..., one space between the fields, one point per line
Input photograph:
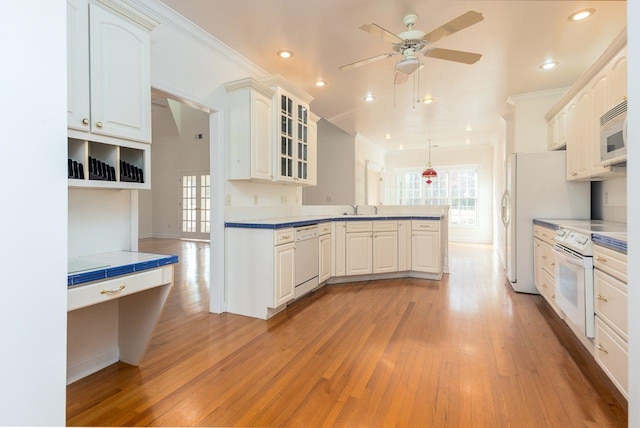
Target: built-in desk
x=113 y=303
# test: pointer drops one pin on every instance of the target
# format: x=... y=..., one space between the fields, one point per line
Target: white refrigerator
x=536 y=187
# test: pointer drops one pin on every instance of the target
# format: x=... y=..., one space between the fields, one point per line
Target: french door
x=195 y=206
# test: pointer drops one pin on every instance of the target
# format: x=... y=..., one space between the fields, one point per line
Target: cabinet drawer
x=544 y=233
x=611 y=301
x=385 y=226
x=283 y=236
x=610 y=261
x=548 y=259
x=324 y=228
x=359 y=226
x=98 y=292
x=548 y=287
x=612 y=353
x=425 y=225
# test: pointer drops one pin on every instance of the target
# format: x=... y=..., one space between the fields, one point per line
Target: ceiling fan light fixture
x=426 y=100
x=408 y=65
x=549 y=65
x=285 y=54
x=581 y=15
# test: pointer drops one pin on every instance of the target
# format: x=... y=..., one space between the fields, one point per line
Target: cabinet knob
x=99 y=124
x=602 y=349
x=85 y=121
x=600 y=297
x=601 y=259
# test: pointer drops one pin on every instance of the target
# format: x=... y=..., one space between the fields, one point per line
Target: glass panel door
x=195 y=206
x=286 y=136
x=301 y=136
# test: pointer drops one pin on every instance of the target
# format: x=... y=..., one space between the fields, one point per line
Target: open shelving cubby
x=105 y=165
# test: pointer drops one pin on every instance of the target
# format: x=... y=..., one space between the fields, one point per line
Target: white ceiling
x=514 y=38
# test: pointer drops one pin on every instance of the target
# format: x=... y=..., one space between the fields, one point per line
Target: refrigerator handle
x=505 y=208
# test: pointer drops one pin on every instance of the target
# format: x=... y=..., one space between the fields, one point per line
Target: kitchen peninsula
x=273 y=261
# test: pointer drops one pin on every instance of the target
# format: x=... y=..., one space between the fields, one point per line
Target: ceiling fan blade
x=366 y=61
x=451 y=55
x=400 y=78
x=460 y=23
x=385 y=35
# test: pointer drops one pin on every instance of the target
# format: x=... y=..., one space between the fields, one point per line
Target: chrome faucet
x=355 y=209
x=375 y=209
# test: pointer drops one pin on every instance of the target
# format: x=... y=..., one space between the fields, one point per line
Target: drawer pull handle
x=113 y=291
x=285 y=237
x=602 y=349
x=601 y=259
x=600 y=297
x=553 y=264
x=544 y=257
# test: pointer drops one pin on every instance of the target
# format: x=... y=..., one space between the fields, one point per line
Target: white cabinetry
x=109 y=90
x=611 y=341
x=385 y=246
x=404 y=245
x=425 y=247
x=249 y=131
x=359 y=248
x=324 y=252
x=294 y=152
x=339 y=242
x=261 y=274
x=544 y=264
x=574 y=120
x=108 y=95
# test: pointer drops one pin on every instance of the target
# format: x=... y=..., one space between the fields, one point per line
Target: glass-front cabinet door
x=303 y=143
x=286 y=137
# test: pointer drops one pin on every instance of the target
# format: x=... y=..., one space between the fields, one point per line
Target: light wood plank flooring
x=464 y=351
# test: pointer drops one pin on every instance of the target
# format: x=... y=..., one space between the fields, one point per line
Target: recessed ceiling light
x=426 y=100
x=468 y=141
x=400 y=147
x=549 y=65
x=468 y=128
x=368 y=98
x=387 y=136
x=320 y=83
x=285 y=54
x=581 y=14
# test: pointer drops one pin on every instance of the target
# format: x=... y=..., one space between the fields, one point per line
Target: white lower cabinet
x=359 y=251
x=425 y=247
x=325 y=258
x=284 y=280
x=404 y=245
x=338 y=244
x=612 y=354
x=385 y=252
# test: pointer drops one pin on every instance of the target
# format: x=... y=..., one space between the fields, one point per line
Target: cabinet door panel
x=284 y=281
x=78 y=65
x=261 y=150
x=359 y=253
x=339 y=252
x=425 y=251
x=120 y=77
x=385 y=252
x=617 y=74
x=325 y=258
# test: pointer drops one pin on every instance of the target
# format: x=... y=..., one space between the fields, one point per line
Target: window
x=455 y=187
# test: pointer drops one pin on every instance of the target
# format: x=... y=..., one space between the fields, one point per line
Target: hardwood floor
x=464 y=351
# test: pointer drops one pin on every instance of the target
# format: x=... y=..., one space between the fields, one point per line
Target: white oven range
x=574 y=282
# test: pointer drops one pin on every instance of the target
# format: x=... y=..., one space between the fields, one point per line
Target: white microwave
x=613 y=135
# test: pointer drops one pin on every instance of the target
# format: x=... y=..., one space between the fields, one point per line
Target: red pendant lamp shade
x=429 y=173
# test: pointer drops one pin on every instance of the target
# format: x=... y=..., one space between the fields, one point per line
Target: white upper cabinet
x=109 y=91
x=617 y=73
x=294 y=139
x=249 y=131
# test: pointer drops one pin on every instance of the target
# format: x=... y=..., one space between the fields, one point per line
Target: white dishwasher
x=306 y=273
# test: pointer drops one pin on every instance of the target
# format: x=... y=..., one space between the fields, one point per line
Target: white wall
x=174 y=151
x=480 y=155
x=529 y=123
x=33 y=185
x=336 y=163
x=365 y=151
x=633 y=90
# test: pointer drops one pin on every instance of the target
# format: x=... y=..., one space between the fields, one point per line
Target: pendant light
x=429 y=173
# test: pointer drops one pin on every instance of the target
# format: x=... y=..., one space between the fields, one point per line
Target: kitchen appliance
x=307 y=259
x=574 y=280
x=536 y=187
x=613 y=135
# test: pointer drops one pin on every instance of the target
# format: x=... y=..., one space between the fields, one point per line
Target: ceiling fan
x=412 y=42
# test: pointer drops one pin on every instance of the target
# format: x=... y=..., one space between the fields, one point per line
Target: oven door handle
x=569 y=258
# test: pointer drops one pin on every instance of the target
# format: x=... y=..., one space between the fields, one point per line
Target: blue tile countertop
x=85 y=269
x=282 y=223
